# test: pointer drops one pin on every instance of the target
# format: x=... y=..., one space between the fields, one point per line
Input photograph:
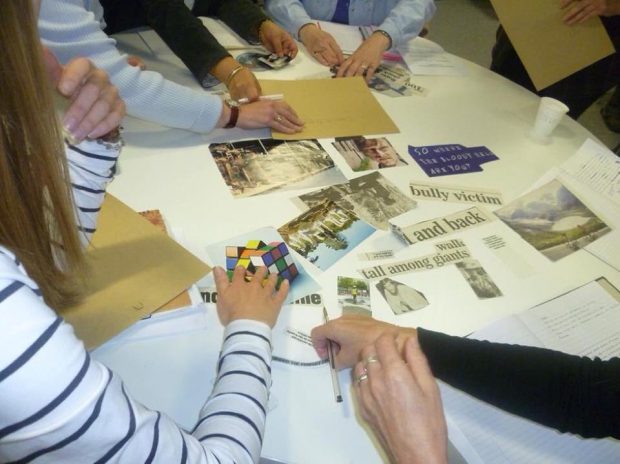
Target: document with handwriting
x=586 y=322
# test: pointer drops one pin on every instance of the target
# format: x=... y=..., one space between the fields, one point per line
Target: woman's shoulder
x=13 y=273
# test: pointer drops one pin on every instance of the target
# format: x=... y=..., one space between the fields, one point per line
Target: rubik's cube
x=274 y=256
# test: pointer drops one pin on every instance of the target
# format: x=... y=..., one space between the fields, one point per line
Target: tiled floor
x=467 y=29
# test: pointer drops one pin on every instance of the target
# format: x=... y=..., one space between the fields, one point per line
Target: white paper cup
x=550 y=113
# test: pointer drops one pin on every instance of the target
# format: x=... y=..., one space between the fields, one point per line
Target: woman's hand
x=266 y=113
x=399 y=397
x=351 y=333
x=321 y=45
x=255 y=300
x=95 y=107
x=244 y=85
x=579 y=11
x=277 y=40
x=366 y=58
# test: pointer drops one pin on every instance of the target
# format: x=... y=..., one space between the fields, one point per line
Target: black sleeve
x=242 y=16
x=185 y=34
x=569 y=393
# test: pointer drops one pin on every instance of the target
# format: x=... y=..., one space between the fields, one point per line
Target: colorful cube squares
x=274 y=256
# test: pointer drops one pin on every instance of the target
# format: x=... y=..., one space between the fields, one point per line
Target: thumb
x=221 y=279
x=321 y=336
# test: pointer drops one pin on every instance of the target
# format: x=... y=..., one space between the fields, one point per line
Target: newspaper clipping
x=455 y=194
x=442 y=226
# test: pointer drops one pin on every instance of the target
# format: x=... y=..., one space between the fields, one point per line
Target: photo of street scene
x=252 y=167
x=553 y=220
x=371 y=197
x=354 y=296
x=363 y=154
x=478 y=279
x=325 y=233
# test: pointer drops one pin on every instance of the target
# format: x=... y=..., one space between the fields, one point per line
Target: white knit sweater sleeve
x=70 y=31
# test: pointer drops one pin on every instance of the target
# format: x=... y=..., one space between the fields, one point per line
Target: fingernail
x=65 y=86
x=70 y=124
x=79 y=134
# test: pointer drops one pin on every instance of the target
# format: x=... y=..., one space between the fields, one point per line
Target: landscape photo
x=252 y=167
x=553 y=220
x=325 y=233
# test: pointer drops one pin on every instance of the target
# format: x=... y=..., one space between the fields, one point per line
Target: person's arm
x=291 y=14
x=577 y=12
x=398 y=396
x=403 y=22
x=569 y=393
x=69 y=30
x=406 y=20
x=248 y=20
x=185 y=34
x=242 y=16
x=60 y=404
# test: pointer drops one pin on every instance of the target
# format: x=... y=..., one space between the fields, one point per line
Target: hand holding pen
x=332 y=364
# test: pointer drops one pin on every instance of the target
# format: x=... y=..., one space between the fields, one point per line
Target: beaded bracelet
x=386 y=35
x=232 y=74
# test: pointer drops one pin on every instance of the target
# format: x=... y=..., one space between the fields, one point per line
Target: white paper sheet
x=560 y=324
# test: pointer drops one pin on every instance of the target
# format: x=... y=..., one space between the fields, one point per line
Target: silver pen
x=332 y=364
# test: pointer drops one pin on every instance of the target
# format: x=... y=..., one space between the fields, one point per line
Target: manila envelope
x=331 y=108
x=549 y=49
x=134 y=270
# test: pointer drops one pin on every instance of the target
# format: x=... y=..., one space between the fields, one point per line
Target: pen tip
x=339 y=399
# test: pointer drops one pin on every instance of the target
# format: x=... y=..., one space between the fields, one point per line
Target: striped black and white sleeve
x=60 y=405
x=92 y=165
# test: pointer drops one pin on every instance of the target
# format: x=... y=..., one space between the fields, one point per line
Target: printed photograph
x=400 y=297
x=371 y=197
x=262 y=61
x=254 y=167
x=553 y=220
x=354 y=296
x=394 y=81
x=325 y=233
x=478 y=279
x=363 y=154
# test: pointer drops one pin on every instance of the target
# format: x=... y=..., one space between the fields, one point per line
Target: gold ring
x=361 y=378
x=370 y=360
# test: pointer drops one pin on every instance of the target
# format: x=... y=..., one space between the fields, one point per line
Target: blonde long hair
x=37 y=220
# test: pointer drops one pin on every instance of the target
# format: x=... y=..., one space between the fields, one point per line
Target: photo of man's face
x=380 y=151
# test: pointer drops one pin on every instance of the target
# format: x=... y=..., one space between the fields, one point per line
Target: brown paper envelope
x=331 y=108
x=183 y=299
x=135 y=269
x=549 y=49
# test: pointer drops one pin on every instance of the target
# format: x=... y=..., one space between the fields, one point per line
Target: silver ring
x=316 y=52
x=361 y=378
x=364 y=66
x=370 y=360
x=278 y=118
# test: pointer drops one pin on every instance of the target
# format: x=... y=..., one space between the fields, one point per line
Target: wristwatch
x=234 y=112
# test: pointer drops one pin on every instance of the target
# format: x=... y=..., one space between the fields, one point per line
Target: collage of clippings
x=337 y=215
